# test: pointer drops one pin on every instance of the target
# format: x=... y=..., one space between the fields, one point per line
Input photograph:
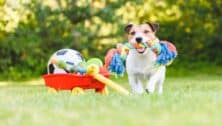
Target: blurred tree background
x=31 y=30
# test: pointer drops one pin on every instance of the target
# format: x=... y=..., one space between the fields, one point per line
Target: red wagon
x=75 y=82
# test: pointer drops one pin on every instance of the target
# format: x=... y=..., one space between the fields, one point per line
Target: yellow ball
x=93 y=69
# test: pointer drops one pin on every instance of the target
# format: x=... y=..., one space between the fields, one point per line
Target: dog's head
x=141 y=34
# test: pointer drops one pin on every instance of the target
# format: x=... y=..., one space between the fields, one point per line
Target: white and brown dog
x=140 y=62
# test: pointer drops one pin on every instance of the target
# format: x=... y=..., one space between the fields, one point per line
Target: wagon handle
x=93 y=70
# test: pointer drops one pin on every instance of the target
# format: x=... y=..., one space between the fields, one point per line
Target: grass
x=187 y=101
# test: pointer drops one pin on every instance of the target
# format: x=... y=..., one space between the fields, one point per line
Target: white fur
x=140 y=68
x=144 y=38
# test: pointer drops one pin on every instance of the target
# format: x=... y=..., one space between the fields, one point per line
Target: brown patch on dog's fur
x=154 y=26
x=149 y=29
x=127 y=28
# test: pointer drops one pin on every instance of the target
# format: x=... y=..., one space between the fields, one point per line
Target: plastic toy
x=67 y=58
x=87 y=75
x=94 y=71
x=75 y=82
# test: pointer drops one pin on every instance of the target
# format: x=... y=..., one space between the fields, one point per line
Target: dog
x=140 y=62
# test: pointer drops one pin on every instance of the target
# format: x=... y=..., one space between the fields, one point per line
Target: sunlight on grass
x=37 y=81
x=186 y=101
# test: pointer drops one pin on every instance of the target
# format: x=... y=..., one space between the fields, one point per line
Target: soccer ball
x=69 y=58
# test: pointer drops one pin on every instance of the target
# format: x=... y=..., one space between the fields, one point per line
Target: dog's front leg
x=160 y=85
x=156 y=78
x=150 y=87
x=135 y=84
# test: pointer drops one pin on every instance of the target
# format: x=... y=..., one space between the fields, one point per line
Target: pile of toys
x=67 y=70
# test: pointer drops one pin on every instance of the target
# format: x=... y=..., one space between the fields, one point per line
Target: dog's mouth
x=140 y=47
x=141 y=50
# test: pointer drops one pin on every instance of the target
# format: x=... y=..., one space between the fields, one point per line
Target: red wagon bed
x=71 y=81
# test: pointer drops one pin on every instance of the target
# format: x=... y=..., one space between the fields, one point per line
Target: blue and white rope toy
x=166 y=52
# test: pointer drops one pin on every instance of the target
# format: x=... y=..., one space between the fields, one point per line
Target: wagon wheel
x=105 y=91
x=77 y=90
x=51 y=90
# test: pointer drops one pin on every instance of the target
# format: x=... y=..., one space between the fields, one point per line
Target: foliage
x=30 y=31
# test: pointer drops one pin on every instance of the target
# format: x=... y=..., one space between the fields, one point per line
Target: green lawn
x=186 y=101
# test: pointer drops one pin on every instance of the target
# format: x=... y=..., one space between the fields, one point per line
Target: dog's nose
x=138 y=39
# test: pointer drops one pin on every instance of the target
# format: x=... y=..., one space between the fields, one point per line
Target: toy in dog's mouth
x=141 y=50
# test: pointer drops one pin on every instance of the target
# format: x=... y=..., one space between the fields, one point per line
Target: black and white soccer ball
x=70 y=57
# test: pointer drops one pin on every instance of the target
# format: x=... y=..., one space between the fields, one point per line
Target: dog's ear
x=127 y=28
x=154 y=26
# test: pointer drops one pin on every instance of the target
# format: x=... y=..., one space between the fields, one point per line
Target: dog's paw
x=149 y=91
x=138 y=91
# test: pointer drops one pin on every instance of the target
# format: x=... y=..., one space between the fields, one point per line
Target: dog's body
x=140 y=63
x=140 y=68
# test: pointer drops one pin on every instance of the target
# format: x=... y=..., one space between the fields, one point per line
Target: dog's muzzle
x=140 y=47
x=141 y=50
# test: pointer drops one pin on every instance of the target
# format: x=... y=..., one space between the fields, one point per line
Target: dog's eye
x=132 y=33
x=146 y=31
